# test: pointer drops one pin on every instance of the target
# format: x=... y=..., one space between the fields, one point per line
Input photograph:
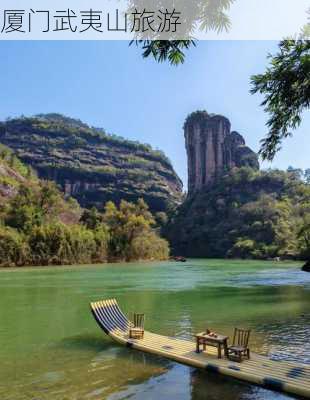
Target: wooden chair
x=136 y=329
x=240 y=347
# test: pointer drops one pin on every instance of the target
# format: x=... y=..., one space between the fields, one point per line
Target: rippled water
x=51 y=348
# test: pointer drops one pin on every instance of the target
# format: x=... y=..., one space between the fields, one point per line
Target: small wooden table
x=219 y=341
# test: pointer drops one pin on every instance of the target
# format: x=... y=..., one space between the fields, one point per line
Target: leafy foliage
x=39 y=227
x=202 y=15
x=304 y=238
x=247 y=213
x=33 y=205
x=163 y=50
x=286 y=89
x=131 y=236
x=14 y=250
x=60 y=244
x=91 y=165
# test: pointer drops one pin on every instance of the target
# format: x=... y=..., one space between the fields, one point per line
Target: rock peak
x=212 y=149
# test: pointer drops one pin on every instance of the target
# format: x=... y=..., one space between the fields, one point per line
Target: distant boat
x=306 y=267
x=179 y=259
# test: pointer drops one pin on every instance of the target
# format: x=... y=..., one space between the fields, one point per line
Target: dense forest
x=38 y=226
x=91 y=165
x=246 y=213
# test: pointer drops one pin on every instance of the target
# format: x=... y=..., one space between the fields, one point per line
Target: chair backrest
x=138 y=320
x=241 y=337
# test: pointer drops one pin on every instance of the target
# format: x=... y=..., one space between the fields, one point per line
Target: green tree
x=91 y=218
x=243 y=248
x=102 y=239
x=38 y=226
x=304 y=239
x=23 y=212
x=61 y=244
x=14 y=249
x=267 y=229
x=307 y=175
x=130 y=224
x=202 y=15
x=295 y=173
x=163 y=50
x=34 y=205
x=286 y=89
x=148 y=247
x=161 y=218
x=246 y=213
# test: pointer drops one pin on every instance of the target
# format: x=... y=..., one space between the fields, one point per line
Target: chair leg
x=248 y=353
x=197 y=346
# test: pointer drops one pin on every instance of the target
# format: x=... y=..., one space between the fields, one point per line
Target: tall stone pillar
x=204 y=139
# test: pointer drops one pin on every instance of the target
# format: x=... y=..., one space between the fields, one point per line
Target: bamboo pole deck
x=283 y=376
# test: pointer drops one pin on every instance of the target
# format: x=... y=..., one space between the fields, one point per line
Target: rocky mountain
x=233 y=209
x=12 y=174
x=213 y=149
x=15 y=175
x=91 y=165
x=246 y=213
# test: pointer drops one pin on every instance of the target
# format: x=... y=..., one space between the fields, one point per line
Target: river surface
x=52 y=349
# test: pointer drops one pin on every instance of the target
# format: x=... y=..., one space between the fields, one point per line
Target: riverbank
x=168 y=261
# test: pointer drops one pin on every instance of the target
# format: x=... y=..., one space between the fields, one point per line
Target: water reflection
x=52 y=349
x=184 y=383
x=208 y=386
x=288 y=339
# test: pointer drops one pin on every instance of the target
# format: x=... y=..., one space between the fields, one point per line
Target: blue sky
x=109 y=85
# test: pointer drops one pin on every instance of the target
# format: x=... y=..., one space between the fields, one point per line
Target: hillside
x=90 y=165
x=246 y=213
x=39 y=226
x=12 y=174
x=15 y=176
x=233 y=209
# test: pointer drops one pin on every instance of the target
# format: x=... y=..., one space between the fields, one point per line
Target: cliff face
x=90 y=165
x=212 y=149
x=15 y=175
x=12 y=175
x=233 y=209
x=245 y=213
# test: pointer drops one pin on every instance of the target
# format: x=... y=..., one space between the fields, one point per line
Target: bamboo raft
x=283 y=376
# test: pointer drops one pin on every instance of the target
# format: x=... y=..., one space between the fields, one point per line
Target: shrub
x=102 y=237
x=36 y=235
x=304 y=241
x=243 y=248
x=61 y=244
x=14 y=250
x=148 y=247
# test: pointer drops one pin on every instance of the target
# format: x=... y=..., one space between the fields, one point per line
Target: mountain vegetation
x=92 y=166
x=39 y=226
x=246 y=213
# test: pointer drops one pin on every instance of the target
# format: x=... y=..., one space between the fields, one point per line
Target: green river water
x=52 y=349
